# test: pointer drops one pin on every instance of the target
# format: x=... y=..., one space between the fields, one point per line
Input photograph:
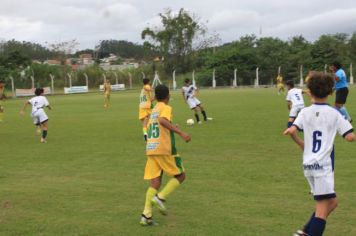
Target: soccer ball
x=190 y=122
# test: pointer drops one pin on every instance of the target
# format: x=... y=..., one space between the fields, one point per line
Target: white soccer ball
x=190 y=122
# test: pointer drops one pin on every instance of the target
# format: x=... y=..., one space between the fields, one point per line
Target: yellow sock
x=144 y=130
x=148 y=205
x=169 y=188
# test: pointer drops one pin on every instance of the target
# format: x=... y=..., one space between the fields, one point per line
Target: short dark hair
x=161 y=92
x=187 y=80
x=2 y=81
x=39 y=91
x=146 y=81
x=320 y=84
x=290 y=83
x=337 y=65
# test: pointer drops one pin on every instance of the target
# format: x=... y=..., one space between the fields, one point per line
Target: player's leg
x=44 y=127
x=326 y=202
x=340 y=101
x=144 y=127
x=196 y=114
x=173 y=166
x=2 y=110
x=153 y=173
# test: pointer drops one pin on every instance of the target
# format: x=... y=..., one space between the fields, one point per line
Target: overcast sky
x=89 y=21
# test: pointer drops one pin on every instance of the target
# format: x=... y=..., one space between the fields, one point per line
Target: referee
x=342 y=90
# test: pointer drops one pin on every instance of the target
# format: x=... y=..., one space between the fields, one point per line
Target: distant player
x=320 y=123
x=39 y=116
x=107 y=93
x=189 y=93
x=280 y=85
x=2 y=100
x=162 y=155
x=295 y=101
x=342 y=90
x=145 y=105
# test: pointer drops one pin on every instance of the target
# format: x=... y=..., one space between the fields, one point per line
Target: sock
x=289 y=124
x=169 y=188
x=317 y=226
x=144 y=130
x=306 y=228
x=197 y=117
x=148 y=205
x=204 y=114
x=44 y=134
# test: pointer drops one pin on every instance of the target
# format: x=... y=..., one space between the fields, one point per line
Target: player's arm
x=184 y=96
x=350 y=137
x=292 y=131
x=289 y=104
x=168 y=125
x=24 y=107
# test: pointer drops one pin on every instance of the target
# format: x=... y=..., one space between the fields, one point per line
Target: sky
x=89 y=21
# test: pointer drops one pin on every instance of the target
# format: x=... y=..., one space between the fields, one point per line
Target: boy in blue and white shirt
x=320 y=123
x=295 y=101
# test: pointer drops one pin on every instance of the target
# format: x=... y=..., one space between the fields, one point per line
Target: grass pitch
x=243 y=176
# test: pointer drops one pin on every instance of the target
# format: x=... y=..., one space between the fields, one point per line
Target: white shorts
x=322 y=187
x=295 y=110
x=39 y=117
x=193 y=102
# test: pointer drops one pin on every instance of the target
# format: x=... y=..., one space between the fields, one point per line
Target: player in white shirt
x=295 y=101
x=320 y=123
x=189 y=93
x=39 y=116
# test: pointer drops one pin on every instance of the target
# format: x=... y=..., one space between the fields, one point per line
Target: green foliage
x=121 y=48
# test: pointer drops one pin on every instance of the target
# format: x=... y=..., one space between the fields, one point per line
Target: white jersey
x=189 y=91
x=320 y=123
x=295 y=96
x=38 y=102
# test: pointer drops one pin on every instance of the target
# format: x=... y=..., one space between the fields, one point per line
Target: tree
x=175 y=42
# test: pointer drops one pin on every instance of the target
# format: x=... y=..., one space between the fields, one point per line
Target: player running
x=189 y=93
x=280 y=85
x=320 y=123
x=342 y=90
x=2 y=100
x=107 y=93
x=39 y=116
x=295 y=101
x=162 y=155
x=145 y=105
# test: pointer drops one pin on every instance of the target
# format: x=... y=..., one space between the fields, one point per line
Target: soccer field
x=243 y=176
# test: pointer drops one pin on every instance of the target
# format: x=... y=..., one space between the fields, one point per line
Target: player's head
x=290 y=84
x=320 y=84
x=39 y=91
x=336 y=66
x=187 y=81
x=146 y=81
x=107 y=81
x=162 y=93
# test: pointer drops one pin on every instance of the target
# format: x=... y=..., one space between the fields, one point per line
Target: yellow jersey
x=107 y=88
x=145 y=97
x=160 y=140
x=279 y=79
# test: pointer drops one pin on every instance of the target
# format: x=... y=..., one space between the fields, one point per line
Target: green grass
x=243 y=176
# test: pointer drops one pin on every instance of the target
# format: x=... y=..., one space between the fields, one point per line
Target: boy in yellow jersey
x=161 y=155
x=2 y=99
x=280 y=84
x=107 y=92
x=145 y=105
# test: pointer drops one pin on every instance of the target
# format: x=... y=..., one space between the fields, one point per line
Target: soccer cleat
x=43 y=140
x=147 y=221
x=199 y=122
x=159 y=203
x=300 y=233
